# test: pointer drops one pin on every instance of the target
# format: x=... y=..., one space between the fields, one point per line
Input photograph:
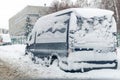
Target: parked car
x=5 y=39
x=80 y=38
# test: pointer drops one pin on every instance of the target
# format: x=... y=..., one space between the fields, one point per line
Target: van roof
x=84 y=12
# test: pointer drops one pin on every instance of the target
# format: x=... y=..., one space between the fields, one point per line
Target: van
x=79 y=38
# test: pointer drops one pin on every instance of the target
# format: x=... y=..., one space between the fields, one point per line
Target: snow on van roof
x=91 y=12
x=84 y=12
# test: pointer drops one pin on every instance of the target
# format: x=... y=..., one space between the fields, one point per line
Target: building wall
x=17 y=23
x=3 y=31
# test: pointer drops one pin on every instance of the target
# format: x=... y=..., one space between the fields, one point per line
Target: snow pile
x=14 y=55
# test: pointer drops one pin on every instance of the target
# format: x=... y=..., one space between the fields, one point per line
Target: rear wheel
x=54 y=60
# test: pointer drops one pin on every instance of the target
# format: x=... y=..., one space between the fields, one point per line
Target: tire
x=54 y=60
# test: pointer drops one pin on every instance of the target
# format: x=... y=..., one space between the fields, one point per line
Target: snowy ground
x=13 y=57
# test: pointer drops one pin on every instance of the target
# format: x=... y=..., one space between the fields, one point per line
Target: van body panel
x=50 y=40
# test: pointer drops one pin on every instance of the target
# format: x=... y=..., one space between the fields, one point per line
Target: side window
x=54 y=30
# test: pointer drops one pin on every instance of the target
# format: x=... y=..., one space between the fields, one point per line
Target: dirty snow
x=14 y=56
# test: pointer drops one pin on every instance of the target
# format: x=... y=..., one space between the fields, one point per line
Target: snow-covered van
x=85 y=37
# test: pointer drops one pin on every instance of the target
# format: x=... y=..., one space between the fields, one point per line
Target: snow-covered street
x=20 y=66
